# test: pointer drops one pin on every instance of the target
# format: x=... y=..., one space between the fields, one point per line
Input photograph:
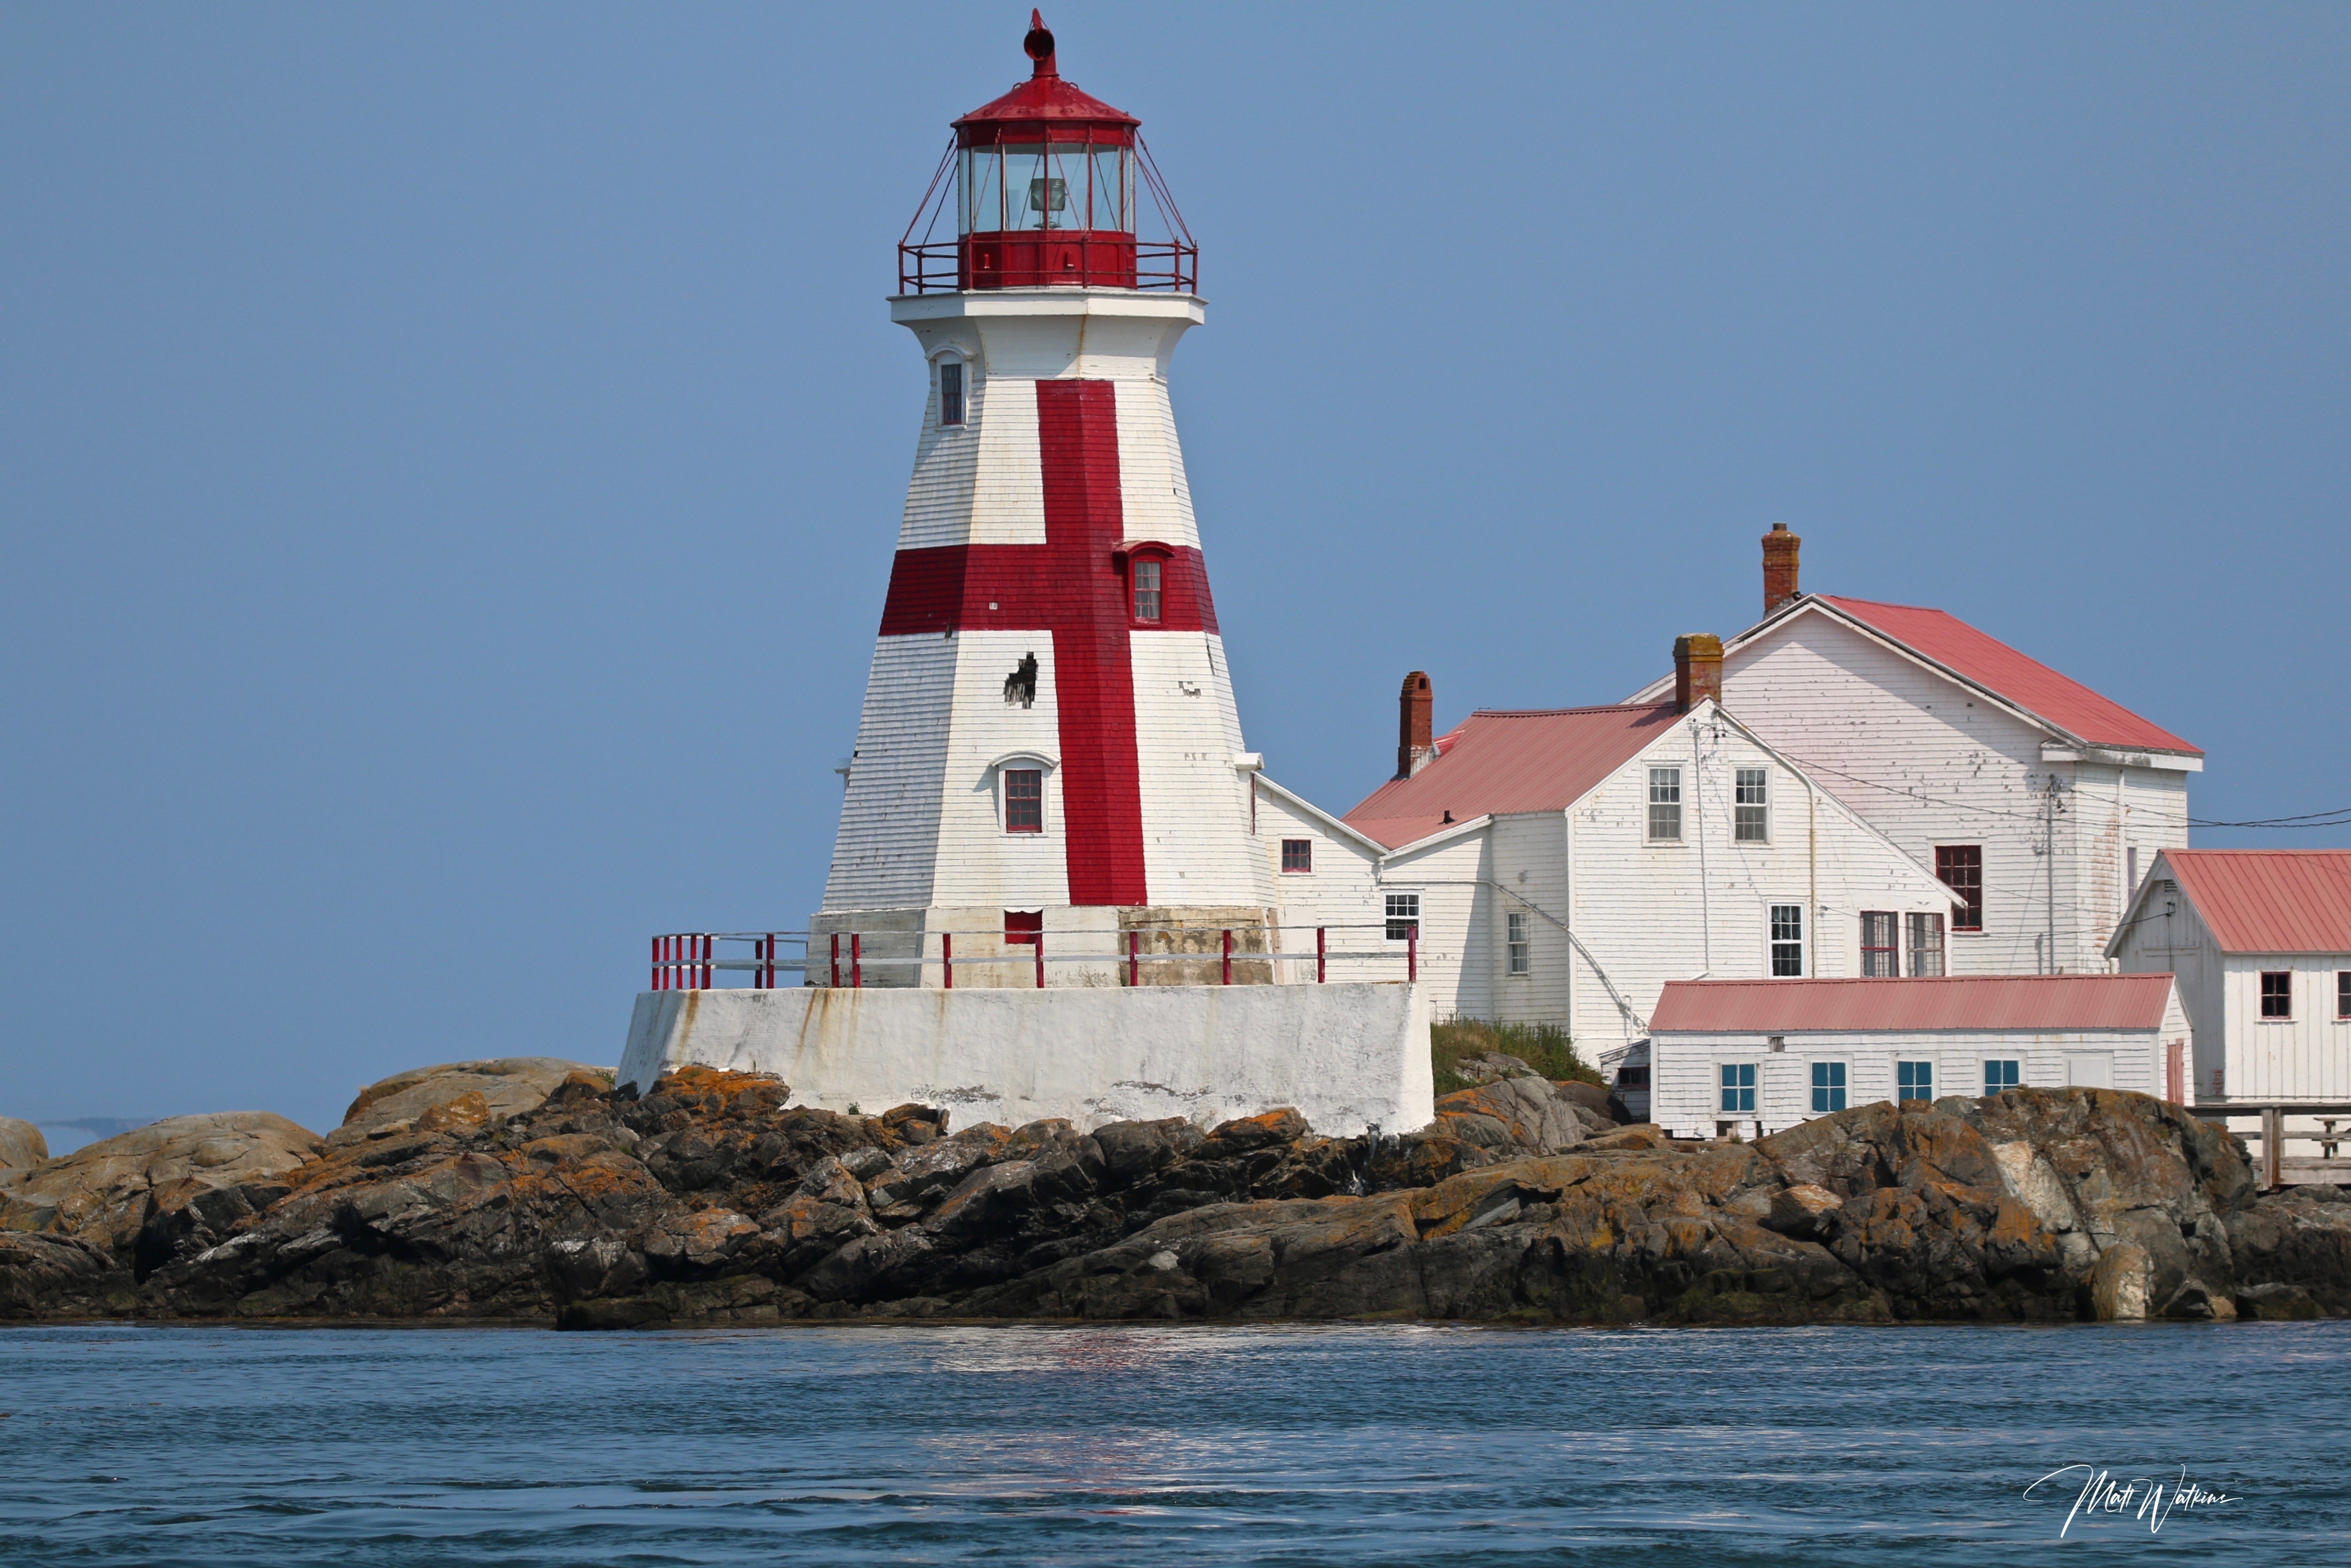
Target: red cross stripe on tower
x=1073 y=586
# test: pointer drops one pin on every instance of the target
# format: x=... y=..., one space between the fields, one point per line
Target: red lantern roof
x=1045 y=107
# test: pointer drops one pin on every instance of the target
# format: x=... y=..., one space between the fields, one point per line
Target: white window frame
x=1926 y=1062
x=1389 y=902
x=1813 y=1089
x=1662 y=778
x=963 y=390
x=1518 y=945
x=1740 y=805
x=1753 y=1089
x=1984 y=1074
x=1773 y=940
x=1043 y=766
x=1907 y=956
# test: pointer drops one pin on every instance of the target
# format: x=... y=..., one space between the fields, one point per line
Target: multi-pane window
x=1024 y=800
x=1828 y=1087
x=1403 y=915
x=1926 y=945
x=1146 y=590
x=1516 y=924
x=1999 y=1075
x=1960 y=866
x=950 y=391
x=1913 y=1080
x=1298 y=854
x=1738 y=1086
x=1786 y=939
x=1752 y=806
x=2277 y=993
x=1665 y=805
x=2343 y=994
x=1880 y=958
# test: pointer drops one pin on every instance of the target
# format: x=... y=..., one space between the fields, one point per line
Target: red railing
x=693 y=961
x=942 y=266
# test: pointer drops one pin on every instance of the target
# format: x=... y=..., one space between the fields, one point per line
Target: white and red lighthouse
x=1049 y=741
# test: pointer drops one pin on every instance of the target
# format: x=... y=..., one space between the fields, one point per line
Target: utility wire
x=2338 y=817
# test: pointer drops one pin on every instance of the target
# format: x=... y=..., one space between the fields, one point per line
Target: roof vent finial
x=1040 y=46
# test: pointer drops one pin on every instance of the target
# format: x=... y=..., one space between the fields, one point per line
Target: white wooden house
x=2261 y=942
x=1562 y=866
x=2042 y=800
x=1750 y=1056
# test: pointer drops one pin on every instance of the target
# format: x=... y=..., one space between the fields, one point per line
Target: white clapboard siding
x=1686 y=1068
x=1931 y=762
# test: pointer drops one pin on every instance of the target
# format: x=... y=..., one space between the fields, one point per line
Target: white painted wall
x=1344 y=1056
x=1929 y=762
x=1685 y=1067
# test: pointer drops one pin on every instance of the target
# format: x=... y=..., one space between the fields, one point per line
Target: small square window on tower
x=1024 y=800
x=1298 y=854
x=1023 y=927
x=1146 y=590
x=2277 y=993
x=950 y=391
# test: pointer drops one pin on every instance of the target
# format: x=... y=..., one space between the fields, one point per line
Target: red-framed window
x=1023 y=927
x=1960 y=866
x=2277 y=993
x=1298 y=854
x=1024 y=800
x=1881 y=950
x=1145 y=573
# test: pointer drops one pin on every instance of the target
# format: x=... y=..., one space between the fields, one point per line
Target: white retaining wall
x=1345 y=1056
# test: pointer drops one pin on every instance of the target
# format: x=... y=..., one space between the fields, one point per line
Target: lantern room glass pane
x=1111 y=202
x=1045 y=186
x=979 y=206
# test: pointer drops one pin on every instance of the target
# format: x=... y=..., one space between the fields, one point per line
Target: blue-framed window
x=1999 y=1075
x=1913 y=1080
x=1738 y=1086
x=1828 y=1087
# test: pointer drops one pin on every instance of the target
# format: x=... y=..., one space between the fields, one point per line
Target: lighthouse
x=1060 y=881
x=1050 y=755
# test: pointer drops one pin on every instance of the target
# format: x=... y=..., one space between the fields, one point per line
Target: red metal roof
x=1506 y=761
x=2010 y=674
x=2270 y=901
x=1043 y=101
x=2043 y=1004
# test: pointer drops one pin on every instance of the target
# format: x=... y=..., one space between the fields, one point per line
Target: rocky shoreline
x=530 y=1190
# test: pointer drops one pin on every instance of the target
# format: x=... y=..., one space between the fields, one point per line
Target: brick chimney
x=1415 y=749
x=1697 y=671
x=1779 y=567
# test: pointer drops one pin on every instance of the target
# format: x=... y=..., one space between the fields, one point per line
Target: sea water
x=1109 y=1446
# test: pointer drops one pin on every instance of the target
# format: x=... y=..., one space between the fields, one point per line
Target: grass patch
x=1545 y=1047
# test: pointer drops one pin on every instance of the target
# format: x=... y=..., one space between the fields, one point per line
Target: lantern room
x=1044 y=183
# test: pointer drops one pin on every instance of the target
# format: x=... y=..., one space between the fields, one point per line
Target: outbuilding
x=1744 y=1057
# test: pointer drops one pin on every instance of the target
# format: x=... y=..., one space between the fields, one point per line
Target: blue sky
x=450 y=455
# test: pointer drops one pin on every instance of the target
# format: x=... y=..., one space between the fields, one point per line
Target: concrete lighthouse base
x=1347 y=1057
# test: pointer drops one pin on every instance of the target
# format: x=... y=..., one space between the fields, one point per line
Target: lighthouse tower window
x=1024 y=800
x=950 y=391
x=1146 y=590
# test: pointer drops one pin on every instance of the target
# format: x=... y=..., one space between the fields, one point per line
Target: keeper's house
x=1744 y=1057
x=2261 y=942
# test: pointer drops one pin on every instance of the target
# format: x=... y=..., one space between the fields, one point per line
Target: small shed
x=1748 y=1056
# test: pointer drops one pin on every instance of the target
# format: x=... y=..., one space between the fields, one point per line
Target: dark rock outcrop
x=712 y=1201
